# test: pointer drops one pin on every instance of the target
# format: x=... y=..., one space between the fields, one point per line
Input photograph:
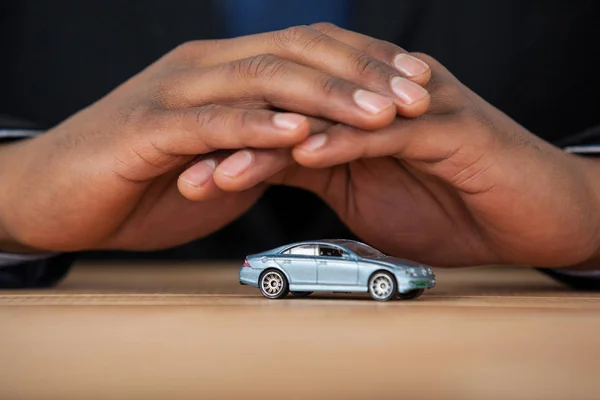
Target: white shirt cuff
x=18 y=133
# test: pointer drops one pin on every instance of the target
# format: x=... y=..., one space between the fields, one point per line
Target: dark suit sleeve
x=578 y=281
x=9 y=122
x=36 y=274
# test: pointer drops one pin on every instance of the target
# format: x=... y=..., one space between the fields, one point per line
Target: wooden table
x=191 y=331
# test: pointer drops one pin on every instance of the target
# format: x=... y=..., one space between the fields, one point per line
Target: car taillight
x=246 y=263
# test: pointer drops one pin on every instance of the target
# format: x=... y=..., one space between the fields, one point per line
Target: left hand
x=462 y=185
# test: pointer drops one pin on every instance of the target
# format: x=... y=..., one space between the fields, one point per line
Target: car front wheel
x=411 y=294
x=382 y=286
x=273 y=284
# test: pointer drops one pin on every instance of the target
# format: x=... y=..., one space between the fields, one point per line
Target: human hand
x=462 y=185
x=111 y=175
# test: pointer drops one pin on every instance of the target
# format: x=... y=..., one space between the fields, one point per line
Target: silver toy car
x=334 y=265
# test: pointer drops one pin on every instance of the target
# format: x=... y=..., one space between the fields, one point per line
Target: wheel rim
x=381 y=286
x=272 y=284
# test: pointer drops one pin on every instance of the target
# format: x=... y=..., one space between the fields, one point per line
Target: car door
x=336 y=267
x=300 y=264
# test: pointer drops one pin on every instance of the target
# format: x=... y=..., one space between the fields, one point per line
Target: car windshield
x=363 y=250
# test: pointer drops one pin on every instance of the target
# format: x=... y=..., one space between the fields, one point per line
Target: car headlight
x=409 y=271
x=426 y=270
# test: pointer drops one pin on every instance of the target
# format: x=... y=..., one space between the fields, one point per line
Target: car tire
x=382 y=286
x=273 y=284
x=411 y=294
x=301 y=294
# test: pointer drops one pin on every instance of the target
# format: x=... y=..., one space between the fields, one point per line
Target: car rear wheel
x=273 y=284
x=382 y=286
x=301 y=294
x=411 y=294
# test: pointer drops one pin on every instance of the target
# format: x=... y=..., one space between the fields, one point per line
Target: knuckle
x=329 y=86
x=376 y=46
x=325 y=27
x=293 y=34
x=263 y=66
x=188 y=50
x=300 y=39
x=314 y=41
x=446 y=98
x=372 y=45
x=165 y=89
x=191 y=53
x=152 y=121
x=245 y=119
x=161 y=89
x=450 y=93
x=206 y=116
x=134 y=117
x=365 y=65
x=381 y=49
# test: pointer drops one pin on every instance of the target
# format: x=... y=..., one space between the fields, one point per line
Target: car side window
x=326 y=251
x=304 y=250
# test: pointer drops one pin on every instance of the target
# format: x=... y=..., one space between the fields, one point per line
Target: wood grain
x=164 y=331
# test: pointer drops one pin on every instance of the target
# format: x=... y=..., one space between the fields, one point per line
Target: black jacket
x=534 y=60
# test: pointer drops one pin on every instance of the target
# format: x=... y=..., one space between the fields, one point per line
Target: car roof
x=337 y=242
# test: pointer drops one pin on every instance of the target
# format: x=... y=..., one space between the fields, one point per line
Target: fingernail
x=314 y=142
x=199 y=173
x=236 y=164
x=371 y=102
x=288 y=121
x=407 y=91
x=409 y=65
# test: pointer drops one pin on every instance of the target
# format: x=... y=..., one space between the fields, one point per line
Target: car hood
x=393 y=262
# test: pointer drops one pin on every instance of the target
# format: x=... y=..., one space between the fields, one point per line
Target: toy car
x=334 y=265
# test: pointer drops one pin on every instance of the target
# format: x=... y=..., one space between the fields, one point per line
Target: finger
x=414 y=68
x=270 y=81
x=318 y=125
x=204 y=129
x=411 y=67
x=196 y=183
x=246 y=168
x=427 y=139
x=313 y=48
x=249 y=167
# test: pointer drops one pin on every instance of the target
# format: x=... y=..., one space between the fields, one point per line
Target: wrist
x=10 y=171
x=589 y=169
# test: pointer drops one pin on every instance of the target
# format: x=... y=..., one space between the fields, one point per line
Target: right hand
x=107 y=178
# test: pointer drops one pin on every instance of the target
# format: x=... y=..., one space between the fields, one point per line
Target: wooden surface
x=191 y=331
